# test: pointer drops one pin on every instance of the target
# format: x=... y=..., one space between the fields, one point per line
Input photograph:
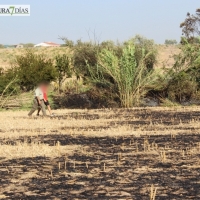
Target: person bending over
x=44 y=89
x=38 y=101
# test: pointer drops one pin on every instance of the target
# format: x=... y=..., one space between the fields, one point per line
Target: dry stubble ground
x=101 y=154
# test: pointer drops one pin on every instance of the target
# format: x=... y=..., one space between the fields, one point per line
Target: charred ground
x=113 y=154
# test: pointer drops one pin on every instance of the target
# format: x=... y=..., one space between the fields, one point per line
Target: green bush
x=33 y=68
x=82 y=53
x=8 y=81
x=181 y=87
x=86 y=53
x=144 y=49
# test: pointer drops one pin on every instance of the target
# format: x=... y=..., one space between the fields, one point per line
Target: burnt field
x=142 y=154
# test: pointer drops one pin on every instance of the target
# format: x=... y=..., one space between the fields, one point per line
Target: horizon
x=96 y=20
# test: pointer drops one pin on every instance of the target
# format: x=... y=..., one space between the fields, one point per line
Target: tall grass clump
x=131 y=78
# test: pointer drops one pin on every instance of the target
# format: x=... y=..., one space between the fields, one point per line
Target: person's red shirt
x=44 y=90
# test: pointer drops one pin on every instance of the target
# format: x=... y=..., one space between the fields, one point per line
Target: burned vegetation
x=102 y=154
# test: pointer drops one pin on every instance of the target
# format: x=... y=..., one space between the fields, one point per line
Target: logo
x=14 y=10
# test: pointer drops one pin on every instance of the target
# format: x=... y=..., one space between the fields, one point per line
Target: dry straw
x=163 y=156
x=153 y=192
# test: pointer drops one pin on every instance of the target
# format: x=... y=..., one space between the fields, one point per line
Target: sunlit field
x=141 y=153
x=8 y=55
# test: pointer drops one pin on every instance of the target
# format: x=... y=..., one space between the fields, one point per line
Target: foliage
x=184 y=40
x=1 y=46
x=86 y=53
x=170 y=42
x=63 y=66
x=116 y=73
x=144 y=49
x=191 y=26
x=75 y=86
x=182 y=87
x=33 y=69
x=8 y=81
x=132 y=79
x=28 y=45
x=189 y=60
x=67 y=42
x=181 y=83
x=82 y=53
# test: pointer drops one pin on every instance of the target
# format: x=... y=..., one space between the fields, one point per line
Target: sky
x=116 y=20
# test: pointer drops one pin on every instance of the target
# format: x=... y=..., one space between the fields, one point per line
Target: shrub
x=85 y=52
x=187 y=57
x=8 y=81
x=33 y=68
x=144 y=49
x=188 y=60
x=132 y=79
x=181 y=87
x=63 y=66
x=74 y=86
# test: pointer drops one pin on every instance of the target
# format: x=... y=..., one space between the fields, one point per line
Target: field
x=7 y=56
x=139 y=154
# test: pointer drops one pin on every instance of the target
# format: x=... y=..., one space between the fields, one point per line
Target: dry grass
x=139 y=153
x=98 y=120
x=165 y=55
x=7 y=56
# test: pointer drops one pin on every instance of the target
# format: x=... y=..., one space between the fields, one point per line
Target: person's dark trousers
x=35 y=107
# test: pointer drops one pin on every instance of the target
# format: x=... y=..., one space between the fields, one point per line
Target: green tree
x=191 y=26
